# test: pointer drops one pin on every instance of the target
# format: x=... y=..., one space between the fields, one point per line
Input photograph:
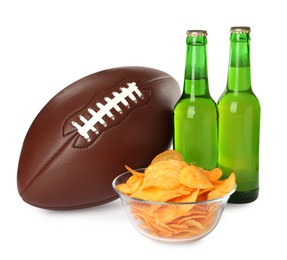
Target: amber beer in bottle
x=239 y=121
x=195 y=114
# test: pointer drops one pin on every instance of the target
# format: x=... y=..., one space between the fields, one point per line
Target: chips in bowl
x=174 y=200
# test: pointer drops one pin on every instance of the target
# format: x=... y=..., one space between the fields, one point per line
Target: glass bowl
x=171 y=221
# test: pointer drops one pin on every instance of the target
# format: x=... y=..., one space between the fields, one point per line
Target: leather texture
x=60 y=169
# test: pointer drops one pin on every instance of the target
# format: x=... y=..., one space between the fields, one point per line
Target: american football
x=85 y=135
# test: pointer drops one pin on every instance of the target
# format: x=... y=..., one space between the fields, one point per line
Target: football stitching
x=132 y=92
x=67 y=121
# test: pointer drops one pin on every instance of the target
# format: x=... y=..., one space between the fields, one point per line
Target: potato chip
x=169 y=154
x=132 y=184
x=163 y=165
x=222 y=187
x=192 y=177
x=167 y=213
x=214 y=194
x=187 y=198
x=134 y=172
x=226 y=185
x=214 y=174
x=165 y=179
x=160 y=195
x=194 y=223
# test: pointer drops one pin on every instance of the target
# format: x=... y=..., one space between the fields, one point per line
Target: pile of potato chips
x=170 y=179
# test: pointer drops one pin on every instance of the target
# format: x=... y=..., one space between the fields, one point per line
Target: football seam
x=59 y=151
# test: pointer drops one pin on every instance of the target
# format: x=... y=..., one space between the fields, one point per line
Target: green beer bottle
x=195 y=114
x=239 y=121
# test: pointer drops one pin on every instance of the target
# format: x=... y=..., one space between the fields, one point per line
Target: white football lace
x=97 y=117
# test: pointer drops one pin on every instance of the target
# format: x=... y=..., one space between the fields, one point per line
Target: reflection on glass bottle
x=239 y=121
x=195 y=114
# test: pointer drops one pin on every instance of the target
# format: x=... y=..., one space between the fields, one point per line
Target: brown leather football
x=85 y=135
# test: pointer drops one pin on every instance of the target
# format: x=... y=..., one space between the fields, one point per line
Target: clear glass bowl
x=171 y=221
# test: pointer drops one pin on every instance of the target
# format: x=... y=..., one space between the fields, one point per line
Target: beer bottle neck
x=196 y=75
x=239 y=63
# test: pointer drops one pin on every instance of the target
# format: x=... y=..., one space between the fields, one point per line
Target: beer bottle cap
x=196 y=33
x=240 y=29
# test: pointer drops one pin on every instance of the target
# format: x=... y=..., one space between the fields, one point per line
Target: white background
x=46 y=45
